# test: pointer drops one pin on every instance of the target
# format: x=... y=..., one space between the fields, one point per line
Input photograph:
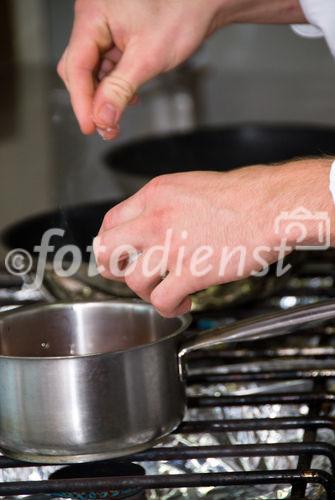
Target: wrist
x=260 y=12
x=303 y=207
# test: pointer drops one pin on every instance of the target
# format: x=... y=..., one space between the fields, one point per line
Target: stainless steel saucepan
x=89 y=381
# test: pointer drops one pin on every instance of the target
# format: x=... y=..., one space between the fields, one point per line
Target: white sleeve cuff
x=321 y=16
x=307 y=30
x=332 y=181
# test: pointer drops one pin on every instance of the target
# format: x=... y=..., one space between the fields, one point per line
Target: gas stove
x=260 y=420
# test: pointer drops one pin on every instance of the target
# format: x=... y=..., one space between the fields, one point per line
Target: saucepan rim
x=185 y=321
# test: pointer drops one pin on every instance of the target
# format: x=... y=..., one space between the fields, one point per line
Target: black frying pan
x=221 y=148
x=81 y=224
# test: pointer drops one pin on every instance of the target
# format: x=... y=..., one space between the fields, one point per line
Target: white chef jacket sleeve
x=321 y=16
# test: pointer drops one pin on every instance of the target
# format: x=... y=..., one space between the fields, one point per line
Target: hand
x=216 y=227
x=117 y=45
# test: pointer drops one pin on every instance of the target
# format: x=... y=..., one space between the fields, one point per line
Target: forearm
x=300 y=186
x=261 y=12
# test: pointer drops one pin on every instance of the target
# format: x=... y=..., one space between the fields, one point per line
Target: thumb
x=118 y=88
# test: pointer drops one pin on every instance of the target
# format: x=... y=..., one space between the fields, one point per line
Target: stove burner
x=97 y=470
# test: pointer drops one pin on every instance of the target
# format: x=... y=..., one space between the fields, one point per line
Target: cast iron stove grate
x=260 y=424
x=318 y=402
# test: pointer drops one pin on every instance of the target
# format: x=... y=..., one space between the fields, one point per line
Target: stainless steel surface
x=270 y=325
x=87 y=381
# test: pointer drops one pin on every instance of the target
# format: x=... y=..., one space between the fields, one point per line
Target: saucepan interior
x=83 y=329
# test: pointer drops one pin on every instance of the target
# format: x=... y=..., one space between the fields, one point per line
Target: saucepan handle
x=269 y=325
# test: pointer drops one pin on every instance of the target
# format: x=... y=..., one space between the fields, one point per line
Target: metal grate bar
x=243 y=450
x=280 y=423
x=263 y=376
x=273 y=354
x=291 y=398
x=171 y=481
x=203 y=452
x=305 y=461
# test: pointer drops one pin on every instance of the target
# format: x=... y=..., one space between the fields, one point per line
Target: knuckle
x=153 y=61
x=159 y=302
x=150 y=65
x=101 y=258
x=157 y=183
x=137 y=284
x=60 y=69
x=134 y=281
x=158 y=223
x=103 y=267
x=104 y=273
x=108 y=219
x=166 y=313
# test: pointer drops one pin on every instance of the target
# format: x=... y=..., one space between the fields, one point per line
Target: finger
x=111 y=58
x=101 y=268
x=116 y=248
x=118 y=88
x=114 y=55
x=107 y=66
x=89 y=39
x=183 y=308
x=145 y=274
x=81 y=63
x=61 y=69
x=109 y=134
x=124 y=212
x=101 y=75
x=171 y=296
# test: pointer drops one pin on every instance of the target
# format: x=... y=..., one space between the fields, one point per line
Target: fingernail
x=109 y=133
x=102 y=134
x=114 y=129
x=106 y=116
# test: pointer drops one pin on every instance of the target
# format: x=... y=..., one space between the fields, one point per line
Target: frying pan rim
x=203 y=129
